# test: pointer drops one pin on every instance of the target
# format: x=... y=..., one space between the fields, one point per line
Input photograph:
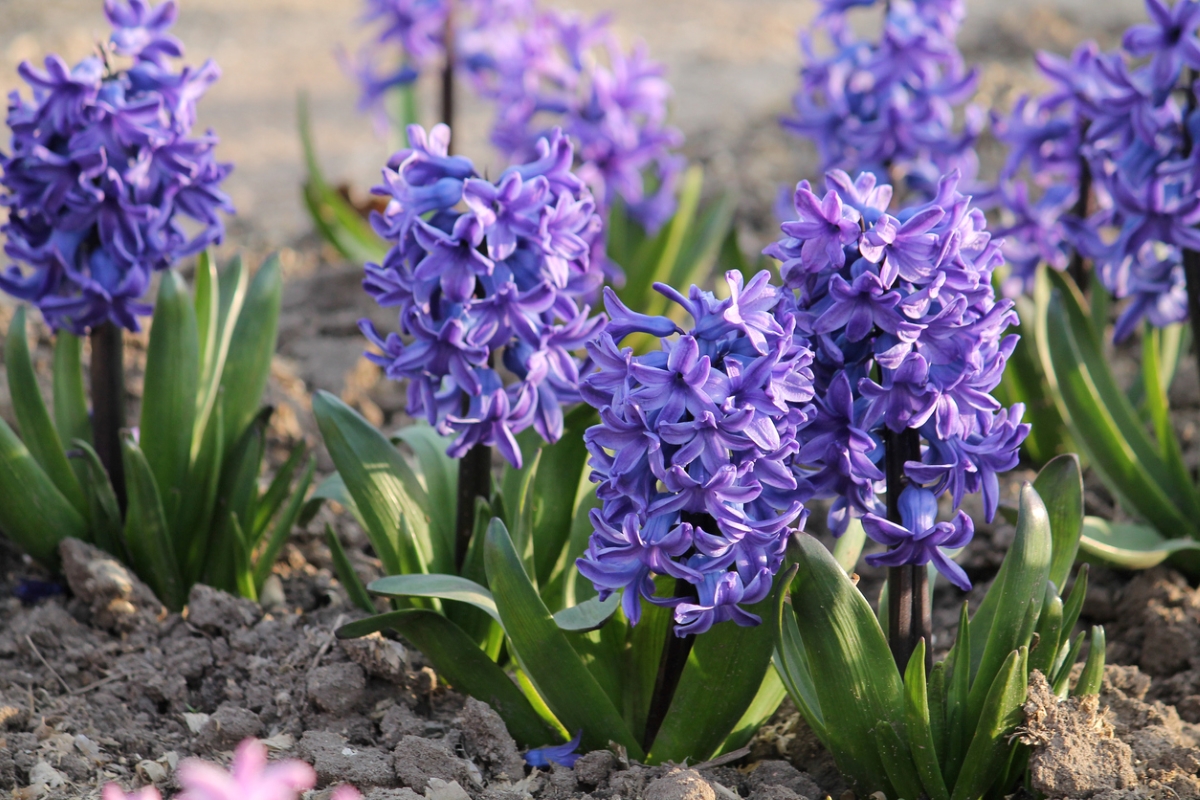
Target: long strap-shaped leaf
x=544 y=653
x=456 y=657
x=33 y=513
x=444 y=587
x=920 y=732
x=729 y=656
x=853 y=672
x=70 y=401
x=248 y=363
x=987 y=757
x=37 y=430
x=146 y=530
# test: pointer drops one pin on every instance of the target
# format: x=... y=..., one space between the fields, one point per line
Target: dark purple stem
x=108 y=403
x=448 y=75
x=474 y=480
x=676 y=650
x=1191 y=258
x=909 y=616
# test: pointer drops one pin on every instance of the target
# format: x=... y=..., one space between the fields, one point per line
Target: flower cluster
x=692 y=452
x=906 y=334
x=250 y=778
x=103 y=170
x=485 y=272
x=1113 y=130
x=888 y=106
x=571 y=73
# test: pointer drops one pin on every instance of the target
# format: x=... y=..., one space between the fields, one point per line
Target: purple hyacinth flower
x=562 y=754
x=919 y=538
x=1170 y=40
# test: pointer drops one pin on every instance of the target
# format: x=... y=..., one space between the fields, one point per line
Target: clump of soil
x=104 y=685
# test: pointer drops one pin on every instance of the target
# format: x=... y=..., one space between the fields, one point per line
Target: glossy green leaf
x=444 y=587
x=1128 y=545
x=1093 y=669
x=1060 y=485
x=283 y=526
x=703 y=242
x=566 y=586
x=1049 y=632
x=332 y=488
x=791 y=660
x=37 y=430
x=229 y=289
x=729 y=656
x=146 y=531
x=588 y=615
x=1073 y=606
x=1102 y=420
x=103 y=510
x=1001 y=713
x=384 y=488
x=199 y=506
x=857 y=682
x=1061 y=678
x=171 y=386
x=248 y=364
x=243 y=575
x=1183 y=487
x=958 y=690
x=457 y=659
x=439 y=475
x=764 y=705
x=544 y=653
x=936 y=696
x=346 y=574
x=920 y=734
x=520 y=501
x=207 y=308
x=642 y=660
x=1020 y=589
x=560 y=467
x=70 y=402
x=34 y=514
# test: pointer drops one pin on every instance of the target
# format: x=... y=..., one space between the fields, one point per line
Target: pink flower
x=249 y=778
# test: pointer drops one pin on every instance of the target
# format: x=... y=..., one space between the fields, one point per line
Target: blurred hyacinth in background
x=103 y=170
x=889 y=106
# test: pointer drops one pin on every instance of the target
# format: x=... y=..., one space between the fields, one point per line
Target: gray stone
x=337 y=761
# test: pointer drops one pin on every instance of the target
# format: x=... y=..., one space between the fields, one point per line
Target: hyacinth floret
x=485 y=275
x=888 y=106
x=907 y=335
x=102 y=172
x=1113 y=123
x=692 y=452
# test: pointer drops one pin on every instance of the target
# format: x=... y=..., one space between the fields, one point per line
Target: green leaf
x=544 y=653
x=958 y=689
x=242 y=573
x=1073 y=606
x=445 y=587
x=70 y=402
x=1020 y=589
x=562 y=464
x=642 y=660
x=199 y=506
x=382 y=484
x=588 y=615
x=439 y=475
x=103 y=510
x=1093 y=669
x=35 y=515
x=1001 y=713
x=273 y=498
x=1101 y=418
x=936 y=696
x=1129 y=545
x=465 y=666
x=566 y=586
x=228 y=290
x=520 y=501
x=729 y=656
x=1059 y=684
x=248 y=364
x=857 y=682
x=336 y=220
x=172 y=383
x=37 y=430
x=1184 y=489
x=283 y=526
x=849 y=545
x=237 y=495
x=791 y=661
x=1060 y=485
x=1049 y=632
x=920 y=734
x=146 y=532
x=764 y=705
x=207 y=306
x=332 y=488
x=346 y=574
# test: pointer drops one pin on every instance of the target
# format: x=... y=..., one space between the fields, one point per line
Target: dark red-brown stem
x=676 y=650
x=108 y=403
x=908 y=586
x=1077 y=269
x=448 y=74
